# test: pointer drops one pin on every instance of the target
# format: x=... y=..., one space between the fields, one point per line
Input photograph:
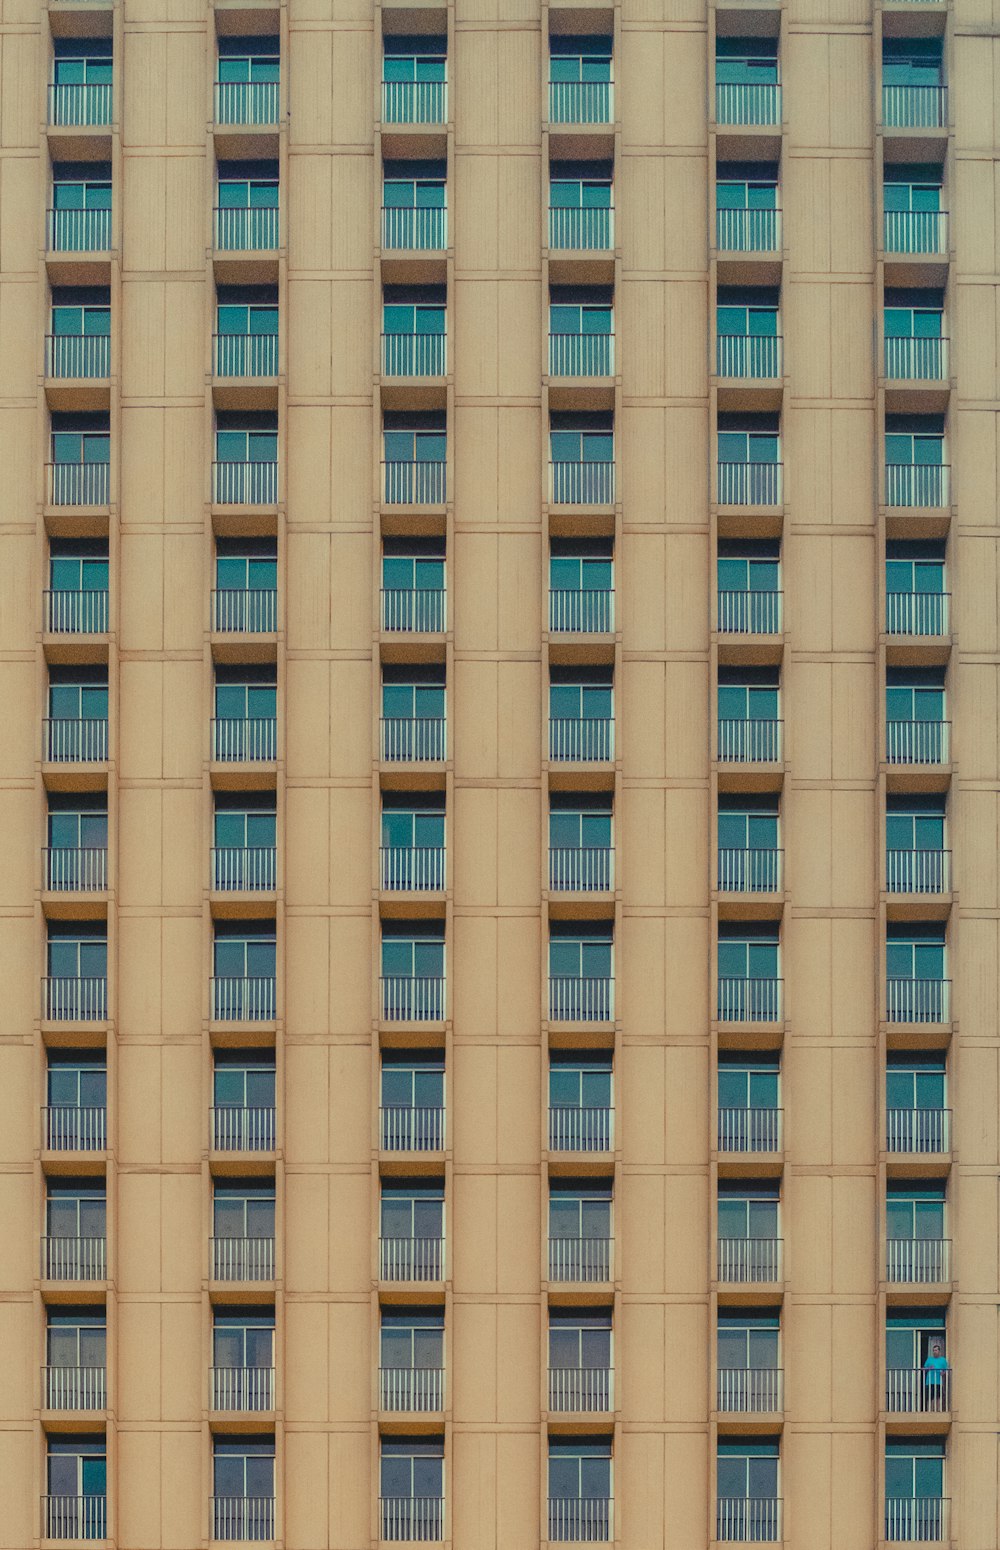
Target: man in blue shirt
x=935 y=1379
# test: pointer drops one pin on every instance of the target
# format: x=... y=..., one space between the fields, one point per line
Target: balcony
x=246 y=869
x=748 y=231
x=78 y=231
x=242 y=1517
x=917 y=742
x=411 y=1517
x=580 y=1389
x=575 y=1128
x=750 y=871
x=750 y=740
x=412 y=868
x=581 y=231
x=748 y=1519
x=414 y=102
x=745 y=1000
x=74 y=1259
x=916 y=231
x=239 y=1129
x=419 y=1389
x=917 y=613
x=580 y=1519
x=414 y=355
x=411 y=998
x=238 y=999
x=924 y=1132
x=917 y=484
x=924 y=1519
x=245 y=355
x=581 y=869
x=575 y=999
x=749 y=613
x=917 y=1000
x=74 y=1388
x=747 y=102
x=581 y=355
x=242 y=1259
x=413 y=739
x=244 y=610
x=246 y=230
x=580 y=1259
x=76 y=999
x=907 y=1391
x=915 y=107
x=78 y=484
x=242 y=1388
x=76 y=612
x=918 y=1261
x=71 y=1127
x=582 y=484
x=77 y=355
x=749 y=1260
x=757 y=356
x=749 y=484
x=244 y=484
x=750 y=1390
x=411 y=1128
x=746 y=1131
x=244 y=739
x=411 y=1259
x=414 y=610
x=247 y=102
x=582 y=739
x=581 y=102
x=74 y=1517
x=916 y=360
x=74 y=869
x=407 y=229
x=918 y=871
x=413 y=483
x=81 y=104
x=581 y=611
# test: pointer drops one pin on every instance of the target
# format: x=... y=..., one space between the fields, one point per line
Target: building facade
x=499 y=785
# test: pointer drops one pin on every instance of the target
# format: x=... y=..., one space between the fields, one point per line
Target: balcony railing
x=580 y=1389
x=750 y=871
x=246 y=355
x=74 y=1388
x=917 y=1518
x=414 y=102
x=747 y=102
x=581 y=869
x=245 y=610
x=581 y=610
x=77 y=355
x=406 y=228
x=244 y=739
x=918 y=1261
x=412 y=868
x=914 y=107
x=74 y=1259
x=411 y=1388
x=80 y=103
x=242 y=1259
x=581 y=739
x=238 y=999
x=242 y=1388
x=580 y=1259
x=414 y=355
x=246 y=229
x=909 y=1391
x=749 y=1259
x=748 y=1519
x=580 y=1128
x=917 y=613
x=580 y=102
x=411 y=1259
x=582 y=484
x=581 y=999
x=749 y=1130
x=412 y=998
x=917 y=742
x=750 y=1390
x=748 y=231
x=408 y=483
x=77 y=612
x=411 y=1517
x=581 y=355
x=79 y=231
x=246 y=869
x=580 y=1519
x=750 y=740
x=413 y=739
x=247 y=102
x=75 y=998
x=73 y=1127
x=236 y=1128
x=917 y=1000
x=75 y=869
x=411 y=1128
x=916 y=231
x=79 y=484
x=748 y=355
x=918 y=871
x=582 y=230
x=417 y=610
x=74 y=1517
x=915 y=360
x=242 y=1517
x=244 y=484
x=917 y=484
x=920 y=1131
x=749 y=1000
x=749 y=484
x=750 y=613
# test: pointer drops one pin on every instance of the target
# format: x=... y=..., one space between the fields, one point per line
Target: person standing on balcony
x=935 y=1382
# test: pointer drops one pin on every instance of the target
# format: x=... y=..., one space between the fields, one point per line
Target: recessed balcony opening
x=918 y=1373
x=246 y=331
x=916 y=343
x=581 y=1499
x=80 y=94
x=916 y=596
x=242 y=1376
x=750 y=858
x=244 y=984
x=242 y=1246
x=242 y=1504
x=914 y=93
x=75 y=859
x=581 y=1102
x=75 y=988
x=749 y=716
x=747 y=219
x=79 y=217
x=917 y=989
x=749 y=965
x=243 y=1101
x=581 y=331
x=581 y=1242
x=80 y=459
x=916 y=1508
x=749 y=1243
x=749 y=1377
x=918 y=1120
x=245 y=595
x=581 y=971
x=748 y=1506
x=412 y=850
x=916 y=221
x=581 y=206
x=582 y=458
x=247 y=81
x=580 y=78
x=75 y=1118
x=414 y=452
x=581 y=851
x=749 y=1105
x=411 y=1230
x=75 y=1372
x=75 y=1505
x=74 y=1244
x=244 y=849
x=414 y=330
x=748 y=335
x=411 y=1360
x=414 y=597
x=747 y=89
x=414 y=78
x=246 y=213
x=918 y=1251
x=749 y=459
x=581 y=1372
x=78 y=345
x=413 y=971
x=411 y=1101
x=917 y=731
x=245 y=471
x=916 y=466
x=414 y=724
x=411 y=1488
x=415 y=205
x=749 y=598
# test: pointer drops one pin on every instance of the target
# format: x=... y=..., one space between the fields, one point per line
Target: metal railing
x=408 y=483
x=580 y=1259
x=581 y=610
x=411 y=868
x=411 y=1388
x=244 y=739
x=749 y=484
x=242 y=1388
x=580 y=1128
x=246 y=229
x=582 y=230
x=411 y=1128
x=77 y=355
x=419 y=610
x=79 y=484
x=75 y=998
x=76 y=868
x=411 y=1517
x=749 y=613
x=80 y=103
x=245 y=355
x=414 y=355
x=917 y=742
x=411 y=1259
x=748 y=231
x=748 y=355
x=914 y=360
x=412 y=998
x=247 y=869
x=74 y=1127
x=581 y=868
x=917 y=1000
x=414 y=102
x=749 y=1000
x=245 y=610
x=247 y=102
x=917 y=1518
x=581 y=484
x=916 y=231
x=750 y=1130
x=242 y=1259
x=750 y=1390
x=750 y=740
x=749 y=1259
x=413 y=739
x=747 y=102
x=917 y=484
x=917 y=613
x=76 y=612
x=581 y=1519
x=75 y=1517
x=581 y=102
x=74 y=1388
x=244 y=484
x=581 y=998
x=581 y=355
x=236 y=1128
x=581 y=739
x=748 y=1519
x=750 y=871
x=242 y=1517
x=918 y=871
x=918 y=1261
x=912 y=1390
x=239 y=999
x=580 y=1388
x=79 y=231
x=416 y=230
x=74 y=1259
x=918 y=1130
x=914 y=107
